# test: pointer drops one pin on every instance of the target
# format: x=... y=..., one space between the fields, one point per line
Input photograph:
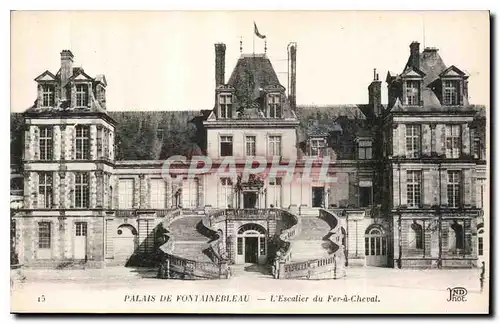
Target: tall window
x=453 y=139
x=80 y=229
x=126 y=193
x=226 y=105
x=477 y=148
x=157 y=196
x=480 y=242
x=412 y=92
x=317 y=147
x=45 y=143
x=459 y=236
x=365 y=150
x=81 y=190
x=275 y=145
x=413 y=188
x=82 y=95
x=274 y=104
x=450 y=92
x=412 y=141
x=250 y=145
x=226 y=146
x=365 y=196
x=44 y=190
x=44 y=235
x=226 y=193
x=48 y=95
x=417 y=236
x=82 y=142
x=453 y=189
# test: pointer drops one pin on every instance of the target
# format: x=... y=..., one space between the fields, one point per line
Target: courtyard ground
x=363 y=290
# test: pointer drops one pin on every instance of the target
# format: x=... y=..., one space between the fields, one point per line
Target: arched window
x=375 y=242
x=480 y=242
x=416 y=239
x=256 y=228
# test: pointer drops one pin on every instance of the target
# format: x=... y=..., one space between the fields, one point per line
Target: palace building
x=88 y=187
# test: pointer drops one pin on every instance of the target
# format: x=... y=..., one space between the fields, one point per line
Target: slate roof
x=432 y=65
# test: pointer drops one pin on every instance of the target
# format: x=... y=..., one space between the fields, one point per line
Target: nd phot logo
x=457 y=294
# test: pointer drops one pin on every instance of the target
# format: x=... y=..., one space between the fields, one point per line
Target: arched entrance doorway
x=375 y=247
x=251 y=245
x=124 y=243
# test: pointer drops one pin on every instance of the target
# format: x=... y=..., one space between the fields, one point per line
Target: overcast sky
x=165 y=60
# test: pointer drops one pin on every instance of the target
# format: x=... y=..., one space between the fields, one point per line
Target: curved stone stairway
x=189 y=243
x=311 y=243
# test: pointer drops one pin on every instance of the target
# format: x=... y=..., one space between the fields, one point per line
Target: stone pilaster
x=112 y=145
x=433 y=138
x=56 y=141
x=440 y=139
x=401 y=142
x=427 y=199
x=404 y=192
x=444 y=183
x=56 y=190
x=467 y=183
x=93 y=189
x=100 y=189
x=395 y=187
x=36 y=142
x=93 y=142
x=199 y=182
x=137 y=192
x=466 y=144
x=426 y=140
x=395 y=140
x=143 y=195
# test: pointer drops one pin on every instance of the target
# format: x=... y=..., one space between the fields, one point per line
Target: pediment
x=45 y=76
x=452 y=71
x=274 y=87
x=211 y=117
x=412 y=72
x=81 y=76
x=225 y=87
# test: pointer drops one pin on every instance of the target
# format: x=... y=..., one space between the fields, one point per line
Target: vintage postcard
x=284 y=162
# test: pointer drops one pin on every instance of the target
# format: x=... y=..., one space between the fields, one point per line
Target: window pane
x=44 y=235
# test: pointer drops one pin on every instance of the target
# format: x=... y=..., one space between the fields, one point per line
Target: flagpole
x=253 y=49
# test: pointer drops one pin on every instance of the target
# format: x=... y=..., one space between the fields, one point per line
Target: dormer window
x=412 y=92
x=365 y=149
x=274 y=104
x=48 y=95
x=225 y=105
x=82 y=95
x=317 y=147
x=450 y=92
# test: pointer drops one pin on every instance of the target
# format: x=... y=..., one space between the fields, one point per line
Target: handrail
x=333 y=263
x=185 y=267
x=284 y=253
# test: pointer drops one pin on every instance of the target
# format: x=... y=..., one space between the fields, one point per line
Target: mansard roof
x=252 y=73
x=157 y=135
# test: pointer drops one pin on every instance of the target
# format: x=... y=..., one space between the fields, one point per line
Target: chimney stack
x=375 y=94
x=66 y=70
x=415 y=54
x=220 y=64
x=292 y=74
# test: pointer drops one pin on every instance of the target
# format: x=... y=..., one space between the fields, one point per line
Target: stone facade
x=122 y=202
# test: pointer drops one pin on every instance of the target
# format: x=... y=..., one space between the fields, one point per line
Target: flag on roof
x=256 y=30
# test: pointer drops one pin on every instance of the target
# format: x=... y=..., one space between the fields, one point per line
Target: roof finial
x=241 y=44
x=374 y=74
x=265 y=46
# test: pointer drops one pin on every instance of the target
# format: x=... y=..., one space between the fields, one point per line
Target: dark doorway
x=317 y=196
x=365 y=196
x=249 y=199
x=251 y=245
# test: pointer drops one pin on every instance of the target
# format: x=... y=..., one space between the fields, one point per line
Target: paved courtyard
x=106 y=290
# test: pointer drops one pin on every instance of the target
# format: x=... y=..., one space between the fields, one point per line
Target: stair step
x=191 y=251
x=185 y=229
x=309 y=249
x=312 y=228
